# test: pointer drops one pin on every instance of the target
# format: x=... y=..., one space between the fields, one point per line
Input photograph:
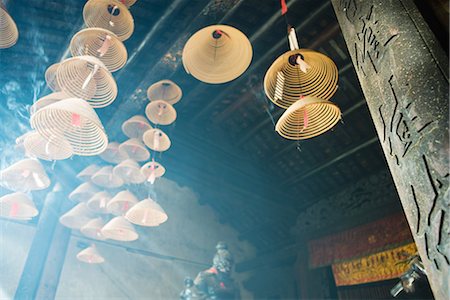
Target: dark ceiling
x=223 y=144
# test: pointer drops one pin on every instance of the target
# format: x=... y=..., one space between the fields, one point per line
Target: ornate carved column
x=404 y=76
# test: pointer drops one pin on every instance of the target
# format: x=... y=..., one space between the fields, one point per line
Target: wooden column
x=403 y=73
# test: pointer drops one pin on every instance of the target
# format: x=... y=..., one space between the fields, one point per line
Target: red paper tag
x=76 y=120
x=284 y=8
x=14 y=210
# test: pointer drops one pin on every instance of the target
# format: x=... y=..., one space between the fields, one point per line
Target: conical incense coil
x=147 y=213
x=129 y=171
x=298 y=73
x=156 y=140
x=17 y=206
x=87 y=172
x=112 y=154
x=50 y=78
x=160 y=112
x=217 y=54
x=99 y=202
x=106 y=178
x=47 y=100
x=166 y=90
x=83 y=192
x=307 y=118
x=135 y=127
x=55 y=148
x=8 y=29
x=90 y=255
x=86 y=77
x=77 y=217
x=76 y=121
x=111 y=15
x=153 y=170
x=121 y=203
x=134 y=149
x=24 y=176
x=120 y=229
x=102 y=44
x=93 y=229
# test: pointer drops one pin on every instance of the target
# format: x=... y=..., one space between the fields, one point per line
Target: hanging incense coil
x=93 y=229
x=286 y=80
x=50 y=78
x=90 y=255
x=87 y=172
x=217 y=54
x=55 y=148
x=111 y=15
x=307 y=118
x=160 y=112
x=112 y=154
x=99 y=202
x=74 y=120
x=153 y=170
x=156 y=140
x=8 y=29
x=135 y=127
x=129 y=171
x=106 y=178
x=147 y=213
x=83 y=192
x=17 y=206
x=121 y=203
x=120 y=229
x=24 y=176
x=166 y=90
x=102 y=44
x=77 y=216
x=47 y=100
x=86 y=77
x=134 y=149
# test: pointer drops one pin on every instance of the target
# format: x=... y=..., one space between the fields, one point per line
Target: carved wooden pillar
x=404 y=76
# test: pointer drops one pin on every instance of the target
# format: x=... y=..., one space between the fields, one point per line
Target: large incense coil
x=50 y=78
x=160 y=112
x=147 y=213
x=106 y=178
x=285 y=82
x=156 y=140
x=111 y=15
x=47 y=100
x=55 y=148
x=87 y=172
x=102 y=44
x=99 y=202
x=24 y=176
x=134 y=149
x=83 y=192
x=120 y=229
x=93 y=229
x=217 y=54
x=135 y=127
x=112 y=154
x=17 y=206
x=76 y=121
x=153 y=170
x=8 y=29
x=90 y=255
x=166 y=90
x=307 y=118
x=129 y=171
x=77 y=216
x=121 y=203
x=86 y=77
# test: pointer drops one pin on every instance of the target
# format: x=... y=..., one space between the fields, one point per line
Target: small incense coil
x=90 y=255
x=165 y=90
x=76 y=121
x=93 y=229
x=129 y=171
x=121 y=203
x=134 y=149
x=153 y=167
x=77 y=216
x=307 y=118
x=37 y=146
x=87 y=172
x=9 y=34
x=120 y=229
x=217 y=54
x=83 y=192
x=112 y=154
x=17 y=206
x=50 y=78
x=135 y=127
x=160 y=112
x=99 y=202
x=285 y=82
x=147 y=213
x=86 y=77
x=111 y=15
x=47 y=100
x=102 y=44
x=156 y=140
x=24 y=176
x=106 y=178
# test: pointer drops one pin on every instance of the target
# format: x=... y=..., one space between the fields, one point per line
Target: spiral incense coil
x=307 y=118
x=90 y=255
x=87 y=172
x=77 y=216
x=134 y=149
x=56 y=148
x=129 y=171
x=83 y=192
x=121 y=203
x=166 y=90
x=99 y=202
x=112 y=154
x=147 y=213
x=135 y=127
x=86 y=77
x=17 y=206
x=111 y=15
x=156 y=140
x=160 y=112
x=75 y=121
x=93 y=228
x=50 y=78
x=47 y=100
x=102 y=44
x=24 y=176
x=286 y=80
x=106 y=178
x=8 y=29
x=120 y=229
x=153 y=167
x=217 y=54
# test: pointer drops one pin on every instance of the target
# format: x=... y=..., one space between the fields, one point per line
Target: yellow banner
x=376 y=267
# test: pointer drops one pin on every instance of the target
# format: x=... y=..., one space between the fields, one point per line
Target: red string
x=284 y=7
